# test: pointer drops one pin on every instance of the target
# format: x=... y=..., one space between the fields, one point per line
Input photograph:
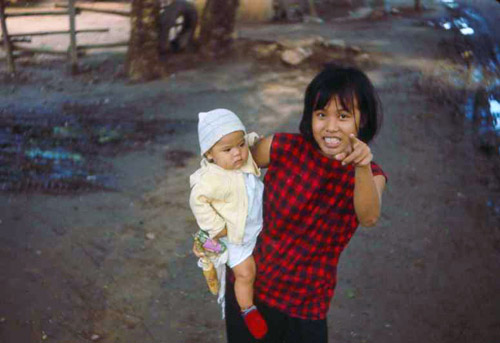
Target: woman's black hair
x=348 y=84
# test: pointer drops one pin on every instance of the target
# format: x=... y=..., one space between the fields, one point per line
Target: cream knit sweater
x=219 y=198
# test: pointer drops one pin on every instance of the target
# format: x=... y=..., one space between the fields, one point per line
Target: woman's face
x=332 y=126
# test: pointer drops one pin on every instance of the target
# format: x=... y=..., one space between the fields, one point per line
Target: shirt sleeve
x=200 y=201
x=282 y=144
x=376 y=170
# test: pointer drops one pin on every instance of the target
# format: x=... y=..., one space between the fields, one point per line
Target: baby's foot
x=255 y=322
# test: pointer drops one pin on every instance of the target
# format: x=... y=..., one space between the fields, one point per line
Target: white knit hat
x=214 y=125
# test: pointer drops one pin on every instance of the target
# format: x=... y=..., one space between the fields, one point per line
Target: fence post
x=72 y=48
x=6 y=40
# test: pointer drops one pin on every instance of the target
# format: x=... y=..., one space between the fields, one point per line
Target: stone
x=264 y=51
x=377 y=14
x=131 y=321
x=363 y=58
x=335 y=43
x=312 y=19
x=355 y=49
x=301 y=43
x=296 y=56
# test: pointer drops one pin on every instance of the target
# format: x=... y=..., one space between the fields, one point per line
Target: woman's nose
x=332 y=125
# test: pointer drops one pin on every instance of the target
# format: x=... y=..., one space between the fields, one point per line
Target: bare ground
x=88 y=263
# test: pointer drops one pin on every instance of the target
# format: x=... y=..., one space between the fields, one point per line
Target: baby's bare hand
x=196 y=252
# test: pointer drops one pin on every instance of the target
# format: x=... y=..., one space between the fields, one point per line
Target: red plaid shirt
x=308 y=220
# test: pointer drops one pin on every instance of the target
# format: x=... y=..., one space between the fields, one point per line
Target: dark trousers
x=282 y=328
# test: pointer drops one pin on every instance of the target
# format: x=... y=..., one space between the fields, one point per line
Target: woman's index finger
x=353 y=139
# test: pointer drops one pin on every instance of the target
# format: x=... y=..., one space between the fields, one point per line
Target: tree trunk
x=143 y=56
x=418 y=5
x=217 y=26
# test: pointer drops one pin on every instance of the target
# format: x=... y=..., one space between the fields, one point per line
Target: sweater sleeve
x=203 y=193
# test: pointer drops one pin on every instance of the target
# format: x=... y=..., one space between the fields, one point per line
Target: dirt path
x=115 y=266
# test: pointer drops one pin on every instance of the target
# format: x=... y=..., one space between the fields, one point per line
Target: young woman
x=319 y=186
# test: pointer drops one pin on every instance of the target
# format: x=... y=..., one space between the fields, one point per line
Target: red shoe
x=255 y=322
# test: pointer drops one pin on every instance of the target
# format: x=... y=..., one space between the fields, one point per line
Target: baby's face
x=230 y=152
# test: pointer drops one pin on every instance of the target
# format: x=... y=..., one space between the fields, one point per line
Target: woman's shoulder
x=287 y=141
x=287 y=136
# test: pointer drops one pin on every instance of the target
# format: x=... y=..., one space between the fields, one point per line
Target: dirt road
x=109 y=260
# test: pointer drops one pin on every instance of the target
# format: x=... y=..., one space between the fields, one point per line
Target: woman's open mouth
x=332 y=142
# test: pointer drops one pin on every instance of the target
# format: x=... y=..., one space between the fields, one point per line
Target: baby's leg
x=243 y=289
x=243 y=285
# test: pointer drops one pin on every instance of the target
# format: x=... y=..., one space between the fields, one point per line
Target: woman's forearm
x=367 y=195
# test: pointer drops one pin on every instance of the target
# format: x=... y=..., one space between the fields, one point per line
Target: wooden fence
x=69 y=9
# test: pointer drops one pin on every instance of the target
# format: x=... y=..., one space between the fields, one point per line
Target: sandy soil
x=115 y=266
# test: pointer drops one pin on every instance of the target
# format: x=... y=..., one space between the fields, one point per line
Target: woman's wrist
x=363 y=167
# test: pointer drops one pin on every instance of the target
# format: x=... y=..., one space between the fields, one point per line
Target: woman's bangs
x=342 y=92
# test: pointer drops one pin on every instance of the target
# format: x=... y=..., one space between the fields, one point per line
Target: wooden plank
x=72 y=45
x=97 y=10
x=17 y=54
x=102 y=46
x=46 y=33
x=11 y=67
x=19 y=39
x=30 y=14
x=39 y=50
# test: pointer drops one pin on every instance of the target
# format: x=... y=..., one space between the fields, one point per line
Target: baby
x=226 y=199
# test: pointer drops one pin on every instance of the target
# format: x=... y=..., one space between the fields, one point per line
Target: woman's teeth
x=332 y=141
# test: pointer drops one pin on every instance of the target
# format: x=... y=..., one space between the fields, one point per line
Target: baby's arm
x=223 y=233
x=202 y=195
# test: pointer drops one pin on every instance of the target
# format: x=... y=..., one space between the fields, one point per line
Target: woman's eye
x=344 y=115
x=320 y=115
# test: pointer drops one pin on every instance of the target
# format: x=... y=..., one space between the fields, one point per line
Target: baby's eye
x=226 y=150
x=242 y=144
